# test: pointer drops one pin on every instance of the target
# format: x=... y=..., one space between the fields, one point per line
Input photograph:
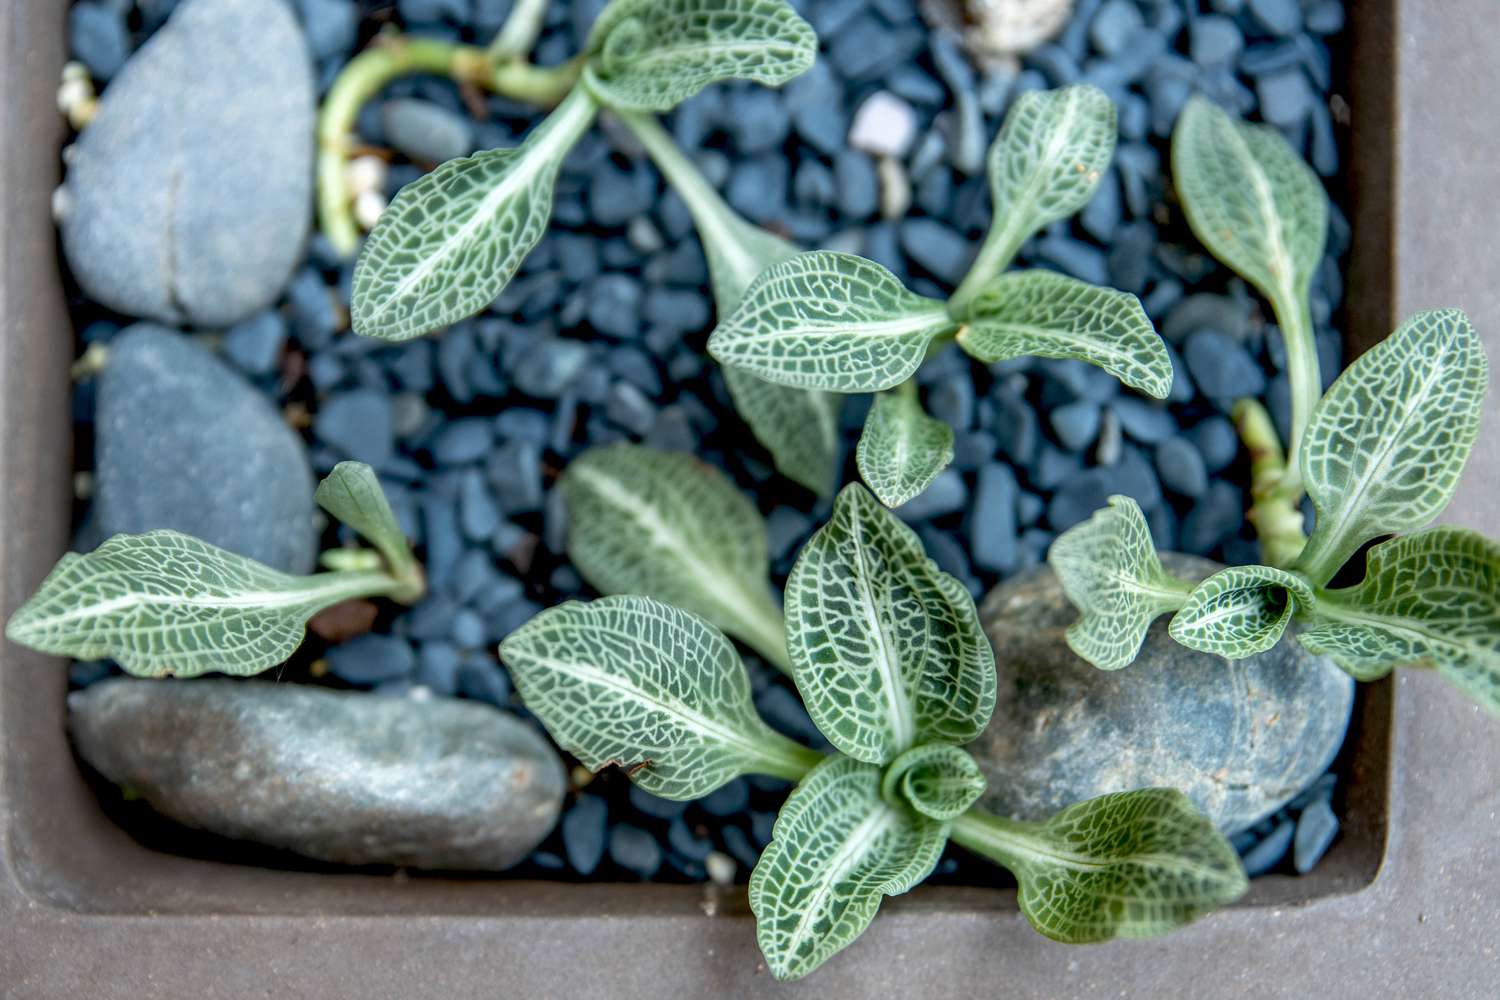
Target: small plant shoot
x=837 y=322
x=163 y=603
x=1379 y=454
x=889 y=657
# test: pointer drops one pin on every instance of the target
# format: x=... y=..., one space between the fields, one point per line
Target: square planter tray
x=1404 y=905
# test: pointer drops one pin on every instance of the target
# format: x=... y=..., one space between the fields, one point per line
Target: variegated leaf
x=660 y=692
x=836 y=851
x=1251 y=200
x=1109 y=569
x=164 y=603
x=651 y=55
x=1427 y=600
x=1241 y=611
x=1053 y=316
x=886 y=648
x=1386 y=446
x=451 y=240
x=1046 y=163
x=832 y=321
x=799 y=427
x=664 y=524
x=902 y=449
x=352 y=493
x=938 y=780
x=1130 y=864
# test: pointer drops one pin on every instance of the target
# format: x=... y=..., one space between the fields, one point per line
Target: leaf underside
x=633 y=682
x=799 y=427
x=886 y=648
x=832 y=321
x=1131 y=864
x=642 y=521
x=165 y=603
x=451 y=240
x=1431 y=599
x=902 y=449
x=1251 y=200
x=1049 y=157
x=1240 y=611
x=1109 y=569
x=836 y=851
x=1385 y=447
x=1053 y=316
x=651 y=55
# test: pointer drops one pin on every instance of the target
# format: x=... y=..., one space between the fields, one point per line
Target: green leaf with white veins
x=799 y=427
x=1045 y=165
x=165 y=603
x=1241 y=611
x=1251 y=200
x=902 y=449
x=833 y=321
x=1129 y=864
x=660 y=692
x=938 y=780
x=451 y=240
x=651 y=55
x=352 y=493
x=666 y=525
x=1385 y=447
x=886 y=648
x=836 y=851
x=1429 y=600
x=1109 y=569
x=1053 y=316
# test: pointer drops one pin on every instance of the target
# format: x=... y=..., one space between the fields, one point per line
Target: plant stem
x=337 y=587
x=1274 y=506
x=1294 y=315
x=789 y=760
x=995 y=254
x=520 y=31
x=764 y=630
x=1006 y=842
x=394 y=56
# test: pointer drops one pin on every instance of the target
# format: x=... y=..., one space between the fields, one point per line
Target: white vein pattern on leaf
x=902 y=449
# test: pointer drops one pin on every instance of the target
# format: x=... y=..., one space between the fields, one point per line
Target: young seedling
x=164 y=603
x=837 y=322
x=895 y=671
x=1379 y=454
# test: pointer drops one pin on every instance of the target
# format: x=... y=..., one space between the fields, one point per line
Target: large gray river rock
x=336 y=775
x=189 y=196
x=1239 y=738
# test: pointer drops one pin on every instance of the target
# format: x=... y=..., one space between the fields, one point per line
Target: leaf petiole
x=1274 y=508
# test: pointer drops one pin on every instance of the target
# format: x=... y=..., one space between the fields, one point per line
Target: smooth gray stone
x=1238 y=738
x=340 y=776
x=188 y=198
x=184 y=442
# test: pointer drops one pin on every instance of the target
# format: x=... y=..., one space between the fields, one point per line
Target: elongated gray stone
x=184 y=442
x=189 y=196
x=335 y=775
x=1239 y=738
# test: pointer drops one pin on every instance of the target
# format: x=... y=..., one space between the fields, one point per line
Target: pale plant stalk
x=520 y=31
x=389 y=58
x=996 y=253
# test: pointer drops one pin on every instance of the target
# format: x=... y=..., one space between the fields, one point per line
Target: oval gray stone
x=189 y=196
x=182 y=441
x=1240 y=738
x=340 y=776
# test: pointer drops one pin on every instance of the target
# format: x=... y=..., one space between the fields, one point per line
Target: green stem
x=995 y=254
x=1294 y=315
x=1275 y=499
x=367 y=73
x=338 y=587
x=1006 y=842
x=789 y=760
x=764 y=630
x=520 y=31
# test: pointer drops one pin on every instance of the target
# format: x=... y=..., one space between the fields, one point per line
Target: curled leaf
x=834 y=321
x=651 y=55
x=1053 y=316
x=352 y=493
x=633 y=682
x=836 y=851
x=1129 y=864
x=451 y=240
x=1241 y=611
x=902 y=449
x=938 y=780
x=886 y=648
x=1109 y=569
